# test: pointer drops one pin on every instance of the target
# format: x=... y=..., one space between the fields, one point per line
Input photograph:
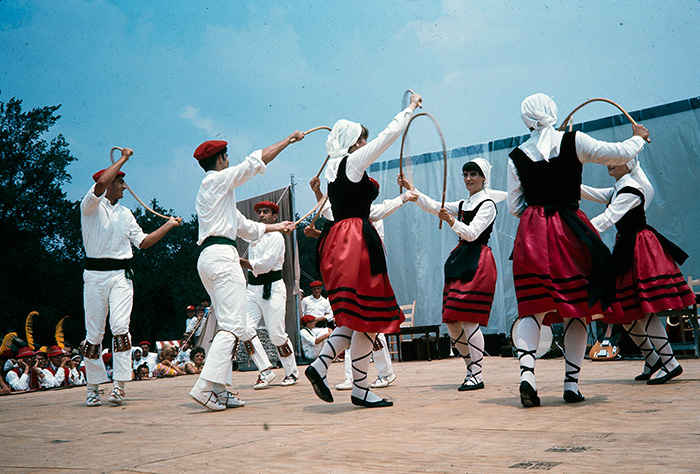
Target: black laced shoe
x=528 y=395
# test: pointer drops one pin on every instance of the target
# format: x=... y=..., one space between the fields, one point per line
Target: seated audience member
x=196 y=362
x=27 y=375
x=191 y=320
x=77 y=370
x=5 y=360
x=150 y=358
x=167 y=366
x=60 y=367
x=136 y=359
x=201 y=316
x=142 y=372
x=183 y=356
x=317 y=305
x=312 y=338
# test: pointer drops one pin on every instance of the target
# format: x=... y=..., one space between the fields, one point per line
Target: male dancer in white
x=380 y=351
x=266 y=298
x=109 y=229
x=220 y=223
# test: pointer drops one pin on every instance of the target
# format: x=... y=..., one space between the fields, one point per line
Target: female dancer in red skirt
x=561 y=269
x=351 y=257
x=470 y=270
x=648 y=278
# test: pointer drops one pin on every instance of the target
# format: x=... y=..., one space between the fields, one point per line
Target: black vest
x=463 y=261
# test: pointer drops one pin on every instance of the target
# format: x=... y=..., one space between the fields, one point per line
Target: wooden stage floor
x=622 y=427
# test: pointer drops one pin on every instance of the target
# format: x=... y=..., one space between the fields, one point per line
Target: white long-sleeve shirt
x=20 y=383
x=588 y=150
x=619 y=204
x=472 y=231
x=108 y=230
x=267 y=253
x=360 y=159
x=216 y=201
x=318 y=308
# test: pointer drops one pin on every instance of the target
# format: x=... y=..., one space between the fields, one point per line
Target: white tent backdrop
x=417 y=249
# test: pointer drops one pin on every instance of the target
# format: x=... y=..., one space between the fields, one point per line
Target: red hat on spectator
x=307 y=319
x=190 y=308
x=106 y=357
x=55 y=351
x=209 y=148
x=268 y=204
x=42 y=349
x=374 y=182
x=145 y=342
x=25 y=352
x=316 y=283
x=97 y=175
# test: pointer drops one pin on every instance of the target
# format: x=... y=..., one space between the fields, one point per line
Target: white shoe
x=382 y=382
x=93 y=398
x=290 y=379
x=207 y=399
x=347 y=385
x=117 y=396
x=264 y=380
x=229 y=399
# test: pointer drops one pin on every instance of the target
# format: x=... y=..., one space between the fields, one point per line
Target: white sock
x=657 y=334
x=575 y=335
x=337 y=342
x=92 y=386
x=120 y=383
x=459 y=339
x=526 y=341
x=475 y=339
x=361 y=348
x=638 y=333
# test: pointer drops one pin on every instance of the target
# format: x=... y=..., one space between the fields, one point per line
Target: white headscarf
x=539 y=112
x=637 y=174
x=485 y=166
x=343 y=135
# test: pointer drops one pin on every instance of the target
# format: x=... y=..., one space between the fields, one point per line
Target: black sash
x=265 y=279
x=217 y=239
x=601 y=282
x=109 y=264
x=623 y=251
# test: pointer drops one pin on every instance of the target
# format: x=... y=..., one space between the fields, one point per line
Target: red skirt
x=360 y=300
x=653 y=283
x=551 y=268
x=471 y=301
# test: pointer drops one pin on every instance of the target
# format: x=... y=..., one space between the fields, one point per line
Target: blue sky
x=161 y=77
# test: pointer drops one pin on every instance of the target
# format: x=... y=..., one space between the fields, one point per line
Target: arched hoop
x=444 y=153
x=322 y=127
x=570 y=122
x=111 y=157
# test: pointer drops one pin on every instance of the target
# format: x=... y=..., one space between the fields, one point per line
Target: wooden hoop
x=322 y=127
x=111 y=157
x=444 y=153
x=319 y=203
x=313 y=221
x=597 y=99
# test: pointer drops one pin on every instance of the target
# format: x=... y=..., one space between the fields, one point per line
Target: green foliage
x=307 y=253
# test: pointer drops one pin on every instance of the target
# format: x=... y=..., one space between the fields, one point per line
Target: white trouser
x=382 y=360
x=222 y=276
x=272 y=311
x=107 y=293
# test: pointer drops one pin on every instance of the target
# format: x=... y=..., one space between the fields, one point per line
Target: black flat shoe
x=466 y=387
x=363 y=403
x=573 y=397
x=528 y=395
x=665 y=378
x=320 y=387
x=652 y=370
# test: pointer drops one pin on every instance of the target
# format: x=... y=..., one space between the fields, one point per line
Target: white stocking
x=459 y=340
x=337 y=342
x=638 y=333
x=575 y=335
x=361 y=350
x=526 y=341
x=657 y=334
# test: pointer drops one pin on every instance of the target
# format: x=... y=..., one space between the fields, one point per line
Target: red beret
x=190 y=308
x=270 y=205
x=209 y=148
x=374 y=182
x=25 y=352
x=307 y=319
x=106 y=357
x=145 y=342
x=55 y=351
x=97 y=175
x=316 y=283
